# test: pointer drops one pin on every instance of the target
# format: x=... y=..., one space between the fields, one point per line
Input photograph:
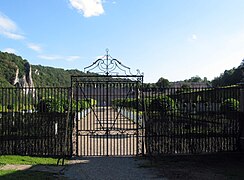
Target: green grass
x=6 y=172
x=11 y=159
x=26 y=174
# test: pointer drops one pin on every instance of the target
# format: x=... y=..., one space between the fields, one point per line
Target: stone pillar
x=242 y=117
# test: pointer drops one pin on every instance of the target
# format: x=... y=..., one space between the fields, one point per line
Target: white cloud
x=50 y=57
x=10 y=50
x=58 y=57
x=193 y=37
x=88 y=8
x=6 y=23
x=13 y=35
x=72 y=58
x=106 y=1
x=8 y=28
x=35 y=47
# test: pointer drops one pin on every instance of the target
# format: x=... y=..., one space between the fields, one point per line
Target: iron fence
x=35 y=121
x=188 y=121
x=41 y=121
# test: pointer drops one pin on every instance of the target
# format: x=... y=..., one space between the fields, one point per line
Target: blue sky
x=174 y=39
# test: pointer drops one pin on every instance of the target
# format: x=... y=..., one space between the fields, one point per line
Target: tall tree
x=194 y=79
x=163 y=83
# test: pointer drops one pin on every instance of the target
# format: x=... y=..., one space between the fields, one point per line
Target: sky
x=173 y=39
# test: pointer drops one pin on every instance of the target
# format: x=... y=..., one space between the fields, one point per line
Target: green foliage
x=195 y=79
x=49 y=76
x=149 y=85
x=41 y=75
x=131 y=103
x=242 y=64
x=229 y=77
x=52 y=104
x=162 y=83
x=163 y=104
x=91 y=102
x=124 y=102
x=184 y=88
x=23 y=107
x=3 y=108
x=230 y=105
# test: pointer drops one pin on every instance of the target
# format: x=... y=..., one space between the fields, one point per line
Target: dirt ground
x=202 y=167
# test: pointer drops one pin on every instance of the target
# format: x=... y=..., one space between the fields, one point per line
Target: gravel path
x=92 y=137
x=109 y=168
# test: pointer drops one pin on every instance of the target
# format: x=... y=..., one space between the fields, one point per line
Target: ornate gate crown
x=108 y=66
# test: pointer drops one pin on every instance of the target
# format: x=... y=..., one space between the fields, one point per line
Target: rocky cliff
x=26 y=80
x=16 y=71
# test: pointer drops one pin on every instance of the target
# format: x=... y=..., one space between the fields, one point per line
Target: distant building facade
x=179 y=84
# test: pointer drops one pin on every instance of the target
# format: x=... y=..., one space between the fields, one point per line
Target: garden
x=187 y=121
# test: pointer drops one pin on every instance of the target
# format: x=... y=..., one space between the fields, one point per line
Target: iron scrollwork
x=107 y=65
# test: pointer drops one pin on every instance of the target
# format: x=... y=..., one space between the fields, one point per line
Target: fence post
x=241 y=117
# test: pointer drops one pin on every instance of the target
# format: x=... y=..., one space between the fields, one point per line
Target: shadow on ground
x=211 y=166
x=184 y=167
x=87 y=168
x=31 y=172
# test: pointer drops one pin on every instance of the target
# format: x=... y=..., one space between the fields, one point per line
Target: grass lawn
x=26 y=174
x=10 y=159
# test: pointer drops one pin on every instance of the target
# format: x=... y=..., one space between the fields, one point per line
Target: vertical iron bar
x=137 y=118
x=107 y=129
x=76 y=116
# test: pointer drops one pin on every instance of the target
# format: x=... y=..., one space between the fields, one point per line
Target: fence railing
x=185 y=121
x=35 y=121
x=38 y=121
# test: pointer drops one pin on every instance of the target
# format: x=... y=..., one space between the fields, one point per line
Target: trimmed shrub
x=51 y=104
x=230 y=105
x=130 y=103
x=163 y=104
x=48 y=104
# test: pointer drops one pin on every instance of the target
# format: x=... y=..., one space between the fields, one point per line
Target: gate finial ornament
x=108 y=66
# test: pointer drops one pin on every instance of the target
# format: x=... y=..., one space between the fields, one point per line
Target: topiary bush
x=130 y=103
x=48 y=104
x=51 y=104
x=230 y=105
x=163 y=104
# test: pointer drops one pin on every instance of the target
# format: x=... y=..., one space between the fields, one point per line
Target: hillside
x=41 y=75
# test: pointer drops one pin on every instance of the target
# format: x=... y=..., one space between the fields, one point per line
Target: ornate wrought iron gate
x=107 y=117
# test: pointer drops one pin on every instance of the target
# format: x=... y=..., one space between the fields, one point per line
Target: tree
x=205 y=79
x=229 y=77
x=242 y=64
x=149 y=85
x=194 y=79
x=162 y=83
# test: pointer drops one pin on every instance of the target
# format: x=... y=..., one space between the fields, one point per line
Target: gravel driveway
x=106 y=168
